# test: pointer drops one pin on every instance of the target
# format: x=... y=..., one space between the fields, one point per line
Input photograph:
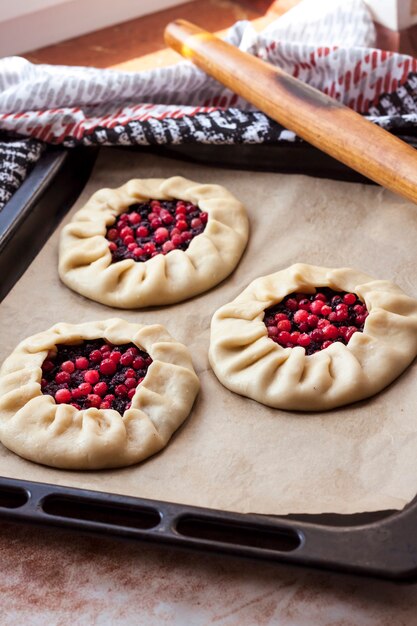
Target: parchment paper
x=233 y=453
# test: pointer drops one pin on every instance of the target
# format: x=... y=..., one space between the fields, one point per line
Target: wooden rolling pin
x=317 y=118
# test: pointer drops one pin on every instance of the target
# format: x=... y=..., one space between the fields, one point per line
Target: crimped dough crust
x=246 y=361
x=85 y=263
x=59 y=435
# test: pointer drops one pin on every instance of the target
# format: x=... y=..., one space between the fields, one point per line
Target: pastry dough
x=85 y=262
x=59 y=435
x=246 y=361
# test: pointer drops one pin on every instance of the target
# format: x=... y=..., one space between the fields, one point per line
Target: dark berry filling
x=315 y=321
x=94 y=373
x=154 y=227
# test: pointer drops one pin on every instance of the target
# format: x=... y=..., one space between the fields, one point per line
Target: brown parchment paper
x=233 y=453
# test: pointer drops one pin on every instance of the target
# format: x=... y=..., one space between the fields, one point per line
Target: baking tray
x=380 y=544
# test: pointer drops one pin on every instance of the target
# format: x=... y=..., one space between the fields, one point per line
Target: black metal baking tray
x=381 y=544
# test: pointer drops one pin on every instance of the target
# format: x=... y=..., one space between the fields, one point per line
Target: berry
x=279 y=317
x=304 y=340
x=160 y=235
x=112 y=234
x=134 y=218
x=138 y=252
x=316 y=306
x=62 y=377
x=330 y=332
x=126 y=359
x=312 y=321
x=95 y=357
x=63 y=396
x=131 y=393
x=142 y=231
x=68 y=366
x=284 y=337
x=300 y=316
x=100 y=388
x=81 y=363
x=84 y=389
x=272 y=331
x=108 y=367
x=120 y=390
x=139 y=363
x=349 y=298
x=326 y=344
x=91 y=376
x=284 y=325
x=130 y=383
x=167 y=247
x=93 y=400
x=292 y=304
x=326 y=310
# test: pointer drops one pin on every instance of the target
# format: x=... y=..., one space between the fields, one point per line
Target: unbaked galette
x=313 y=338
x=95 y=395
x=152 y=242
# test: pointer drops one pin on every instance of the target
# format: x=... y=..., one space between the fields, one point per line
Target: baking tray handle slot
x=13 y=497
x=276 y=539
x=110 y=514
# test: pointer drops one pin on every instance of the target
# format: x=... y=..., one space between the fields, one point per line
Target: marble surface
x=56 y=577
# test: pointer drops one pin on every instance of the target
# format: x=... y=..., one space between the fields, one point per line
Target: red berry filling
x=94 y=374
x=155 y=227
x=315 y=321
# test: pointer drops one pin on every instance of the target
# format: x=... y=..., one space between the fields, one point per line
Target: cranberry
x=161 y=235
x=68 y=366
x=95 y=357
x=63 y=396
x=93 y=400
x=167 y=247
x=272 y=331
x=141 y=232
x=320 y=296
x=284 y=337
x=292 y=304
x=126 y=359
x=131 y=392
x=85 y=388
x=108 y=367
x=112 y=234
x=81 y=363
x=304 y=340
x=279 y=317
x=349 y=298
x=317 y=335
x=100 y=388
x=284 y=325
x=91 y=376
x=300 y=316
x=330 y=332
x=326 y=344
x=312 y=321
x=112 y=246
x=115 y=356
x=326 y=310
x=204 y=217
x=130 y=383
x=120 y=390
x=134 y=218
x=138 y=252
x=349 y=332
x=316 y=306
x=139 y=363
x=62 y=377
x=294 y=336
x=129 y=241
x=125 y=231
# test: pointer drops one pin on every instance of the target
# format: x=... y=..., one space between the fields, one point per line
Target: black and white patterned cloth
x=17 y=157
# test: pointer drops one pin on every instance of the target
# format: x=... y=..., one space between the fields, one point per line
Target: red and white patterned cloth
x=326 y=43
